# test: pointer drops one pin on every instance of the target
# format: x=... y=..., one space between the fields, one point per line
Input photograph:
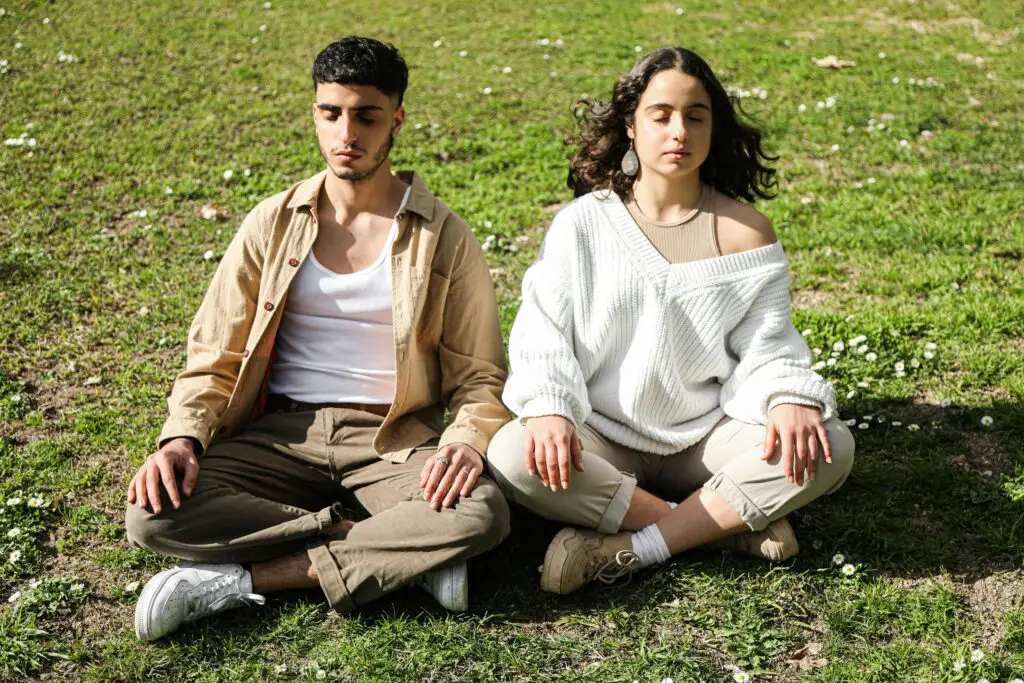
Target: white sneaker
x=448 y=585
x=184 y=594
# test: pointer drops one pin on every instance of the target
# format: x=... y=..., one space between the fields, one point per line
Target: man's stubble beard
x=357 y=177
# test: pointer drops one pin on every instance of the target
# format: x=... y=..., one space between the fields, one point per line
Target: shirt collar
x=421 y=201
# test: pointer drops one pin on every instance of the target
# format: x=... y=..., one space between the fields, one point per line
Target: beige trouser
x=727 y=461
x=275 y=489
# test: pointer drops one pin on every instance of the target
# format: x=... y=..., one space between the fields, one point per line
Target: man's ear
x=399 y=120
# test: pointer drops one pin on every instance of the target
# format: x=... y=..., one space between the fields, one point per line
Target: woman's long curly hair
x=736 y=161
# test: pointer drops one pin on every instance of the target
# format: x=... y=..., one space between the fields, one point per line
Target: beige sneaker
x=775 y=543
x=576 y=557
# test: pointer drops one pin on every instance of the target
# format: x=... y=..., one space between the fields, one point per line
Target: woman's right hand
x=551 y=444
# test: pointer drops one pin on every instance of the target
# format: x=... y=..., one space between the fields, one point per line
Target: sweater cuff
x=795 y=399
x=548 y=404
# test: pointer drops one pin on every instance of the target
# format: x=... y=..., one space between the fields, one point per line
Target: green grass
x=908 y=245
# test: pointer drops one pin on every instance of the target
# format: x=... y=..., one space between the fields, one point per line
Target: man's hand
x=551 y=444
x=177 y=455
x=798 y=429
x=451 y=473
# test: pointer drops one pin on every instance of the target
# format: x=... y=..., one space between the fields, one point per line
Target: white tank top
x=336 y=343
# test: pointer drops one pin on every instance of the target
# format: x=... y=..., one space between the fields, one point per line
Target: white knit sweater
x=651 y=353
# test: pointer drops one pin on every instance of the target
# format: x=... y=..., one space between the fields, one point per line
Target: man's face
x=355 y=127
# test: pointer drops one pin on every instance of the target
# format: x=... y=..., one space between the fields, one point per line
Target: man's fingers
x=770 y=436
x=443 y=487
x=564 y=468
x=471 y=480
x=576 y=452
x=153 y=488
x=167 y=477
x=425 y=472
x=457 y=483
x=131 y=490
x=435 y=476
x=823 y=437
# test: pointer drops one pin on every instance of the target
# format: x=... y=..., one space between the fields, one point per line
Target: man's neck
x=373 y=195
x=665 y=199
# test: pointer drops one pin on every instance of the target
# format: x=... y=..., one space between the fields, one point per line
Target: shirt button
x=269 y=306
x=293 y=262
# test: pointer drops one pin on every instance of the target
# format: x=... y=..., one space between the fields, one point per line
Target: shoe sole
x=461 y=601
x=144 y=607
x=554 y=563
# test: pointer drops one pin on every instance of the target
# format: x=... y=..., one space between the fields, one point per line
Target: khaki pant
x=274 y=489
x=727 y=461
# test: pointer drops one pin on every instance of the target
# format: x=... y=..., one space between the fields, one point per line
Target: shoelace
x=208 y=601
x=617 y=567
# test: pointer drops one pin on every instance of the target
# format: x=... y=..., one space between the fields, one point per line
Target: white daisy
x=132 y=586
x=881 y=55
x=280 y=668
x=838 y=559
x=931 y=346
x=899 y=366
x=820 y=365
x=462 y=53
x=14 y=533
x=14 y=597
x=838 y=346
x=871 y=357
x=863 y=425
x=851 y=422
x=14 y=556
x=928 y=355
x=831 y=361
x=227 y=174
x=36 y=502
x=914 y=427
x=849 y=570
x=506 y=70
x=802 y=108
x=11 y=502
x=208 y=254
x=959 y=665
x=486 y=91
x=915 y=363
x=896 y=423
x=740 y=676
x=986 y=421
x=871 y=181
x=321 y=675
x=851 y=393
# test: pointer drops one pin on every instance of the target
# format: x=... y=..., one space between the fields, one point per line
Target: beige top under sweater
x=690 y=238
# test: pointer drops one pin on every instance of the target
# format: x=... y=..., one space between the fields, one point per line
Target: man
x=346 y=315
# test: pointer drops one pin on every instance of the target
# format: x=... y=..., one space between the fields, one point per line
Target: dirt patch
x=989 y=599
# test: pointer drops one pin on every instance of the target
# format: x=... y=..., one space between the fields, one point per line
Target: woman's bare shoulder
x=741 y=227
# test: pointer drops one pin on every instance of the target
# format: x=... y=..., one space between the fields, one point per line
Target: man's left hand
x=451 y=473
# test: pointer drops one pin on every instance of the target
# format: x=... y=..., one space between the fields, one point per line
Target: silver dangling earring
x=630 y=161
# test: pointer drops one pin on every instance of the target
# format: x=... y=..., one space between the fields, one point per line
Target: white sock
x=649 y=546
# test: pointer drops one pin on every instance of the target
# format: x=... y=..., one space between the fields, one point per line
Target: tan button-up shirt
x=448 y=346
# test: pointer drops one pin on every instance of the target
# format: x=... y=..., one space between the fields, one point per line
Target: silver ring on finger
x=441 y=458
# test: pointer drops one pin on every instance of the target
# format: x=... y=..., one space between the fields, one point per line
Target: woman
x=653 y=359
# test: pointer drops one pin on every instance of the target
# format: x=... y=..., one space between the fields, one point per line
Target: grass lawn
x=900 y=209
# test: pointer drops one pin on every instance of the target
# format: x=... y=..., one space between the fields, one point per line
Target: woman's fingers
x=771 y=435
x=811 y=440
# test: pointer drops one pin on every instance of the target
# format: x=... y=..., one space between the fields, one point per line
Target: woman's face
x=671 y=129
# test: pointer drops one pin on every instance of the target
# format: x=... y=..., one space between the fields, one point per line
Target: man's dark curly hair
x=363 y=61
x=736 y=162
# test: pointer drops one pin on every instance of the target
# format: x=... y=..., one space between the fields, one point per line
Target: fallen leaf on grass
x=833 y=62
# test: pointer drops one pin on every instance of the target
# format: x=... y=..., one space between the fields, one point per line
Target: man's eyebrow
x=335 y=109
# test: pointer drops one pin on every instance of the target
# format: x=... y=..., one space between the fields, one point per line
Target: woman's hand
x=797 y=429
x=551 y=444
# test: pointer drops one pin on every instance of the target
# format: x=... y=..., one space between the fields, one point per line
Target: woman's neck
x=665 y=199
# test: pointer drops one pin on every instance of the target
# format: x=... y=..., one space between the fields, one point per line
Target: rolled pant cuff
x=752 y=515
x=327 y=570
x=611 y=521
